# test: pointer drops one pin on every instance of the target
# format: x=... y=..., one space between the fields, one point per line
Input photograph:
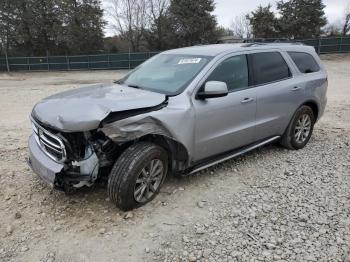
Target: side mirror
x=213 y=89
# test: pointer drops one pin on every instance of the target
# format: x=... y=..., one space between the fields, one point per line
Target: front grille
x=51 y=144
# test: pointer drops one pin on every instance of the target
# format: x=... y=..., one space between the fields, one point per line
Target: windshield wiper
x=135 y=86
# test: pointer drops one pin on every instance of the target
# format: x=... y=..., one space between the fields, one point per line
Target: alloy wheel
x=302 y=128
x=149 y=180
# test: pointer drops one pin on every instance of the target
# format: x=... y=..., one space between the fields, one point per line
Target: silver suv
x=179 y=112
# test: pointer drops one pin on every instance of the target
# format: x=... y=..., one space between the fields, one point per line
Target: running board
x=235 y=154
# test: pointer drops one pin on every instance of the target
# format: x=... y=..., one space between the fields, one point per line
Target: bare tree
x=240 y=27
x=157 y=13
x=333 y=29
x=129 y=19
x=346 y=27
x=158 y=8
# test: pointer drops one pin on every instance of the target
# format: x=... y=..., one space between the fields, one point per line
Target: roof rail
x=270 y=43
x=253 y=44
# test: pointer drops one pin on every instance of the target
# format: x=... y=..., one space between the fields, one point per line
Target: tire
x=132 y=171
x=290 y=138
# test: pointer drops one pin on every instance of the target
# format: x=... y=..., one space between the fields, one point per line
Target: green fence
x=77 y=62
x=131 y=60
x=329 y=45
x=324 y=45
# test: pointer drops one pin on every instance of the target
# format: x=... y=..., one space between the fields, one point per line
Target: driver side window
x=233 y=71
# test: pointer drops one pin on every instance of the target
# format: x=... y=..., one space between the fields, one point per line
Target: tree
x=346 y=25
x=193 y=22
x=45 y=25
x=129 y=20
x=333 y=30
x=24 y=34
x=82 y=25
x=241 y=26
x=8 y=16
x=159 y=34
x=301 y=18
x=8 y=23
x=263 y=22
x=51 y=27
x=221 y=31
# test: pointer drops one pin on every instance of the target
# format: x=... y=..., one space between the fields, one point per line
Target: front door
x=226 y=123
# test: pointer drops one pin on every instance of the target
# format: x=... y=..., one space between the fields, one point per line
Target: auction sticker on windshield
x=189 y=61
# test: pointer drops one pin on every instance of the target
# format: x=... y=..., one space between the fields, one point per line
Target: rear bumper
x=41 y=164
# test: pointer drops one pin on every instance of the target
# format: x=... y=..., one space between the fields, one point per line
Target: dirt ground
x=39 y=224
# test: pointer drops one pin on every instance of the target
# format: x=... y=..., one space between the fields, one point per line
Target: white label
x=189 y=61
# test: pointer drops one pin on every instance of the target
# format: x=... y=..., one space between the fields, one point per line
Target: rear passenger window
x=233 y=71
x=305 y=62
x=269 y=67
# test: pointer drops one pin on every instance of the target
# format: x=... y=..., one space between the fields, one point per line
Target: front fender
x=133 y=128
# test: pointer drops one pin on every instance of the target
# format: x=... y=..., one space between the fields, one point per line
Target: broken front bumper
x=59 y=175
x=41 y=164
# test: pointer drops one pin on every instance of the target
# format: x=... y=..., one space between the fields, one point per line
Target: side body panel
x=277 y=102
x=225 y=123
x=317 y=85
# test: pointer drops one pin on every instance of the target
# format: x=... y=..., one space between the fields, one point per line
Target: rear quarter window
x=305 y=62
x=269 y=67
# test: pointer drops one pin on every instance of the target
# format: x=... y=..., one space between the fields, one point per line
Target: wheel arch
x=314 y=106
x=177 y=152
x=130 y=131
x=286 y=139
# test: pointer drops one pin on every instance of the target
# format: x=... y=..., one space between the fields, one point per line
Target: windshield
x=166 y=73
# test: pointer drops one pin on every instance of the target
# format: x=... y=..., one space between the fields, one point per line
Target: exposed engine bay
x=86 y=156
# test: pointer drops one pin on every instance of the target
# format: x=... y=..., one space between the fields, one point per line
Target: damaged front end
x=70 y=160
x=78 y=135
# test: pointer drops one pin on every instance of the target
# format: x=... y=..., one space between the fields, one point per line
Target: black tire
x=128 y=168
x=289 y=139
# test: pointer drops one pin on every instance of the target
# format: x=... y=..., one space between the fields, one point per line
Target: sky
x=227 y=10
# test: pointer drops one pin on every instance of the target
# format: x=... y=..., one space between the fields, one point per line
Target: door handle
x=247 y=100
x=296 y=88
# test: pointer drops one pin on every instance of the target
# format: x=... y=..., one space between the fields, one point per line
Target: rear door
x=278 y=93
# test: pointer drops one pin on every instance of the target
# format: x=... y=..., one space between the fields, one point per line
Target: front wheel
x=137 y=175
x=300 y=129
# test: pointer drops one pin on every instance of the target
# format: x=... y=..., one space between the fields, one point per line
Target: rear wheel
x=137 y=175
x=300 y=129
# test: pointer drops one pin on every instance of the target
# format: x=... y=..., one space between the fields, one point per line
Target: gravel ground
x=269 y=205
x=296 y=208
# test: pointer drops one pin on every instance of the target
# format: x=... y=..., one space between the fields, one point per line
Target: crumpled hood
x=83 y=109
